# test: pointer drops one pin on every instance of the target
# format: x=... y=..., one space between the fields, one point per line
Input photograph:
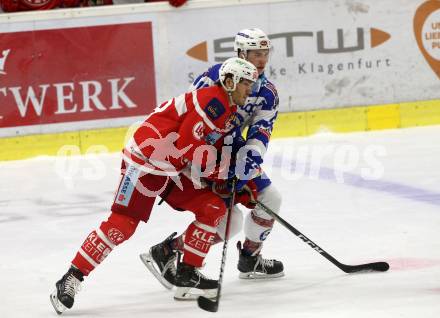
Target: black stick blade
x=381 y=266
x=370 y=267
x=207 y=304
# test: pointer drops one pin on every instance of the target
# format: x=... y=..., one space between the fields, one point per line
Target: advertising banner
x=76 y=74
x=326 y=54
x=98 y=68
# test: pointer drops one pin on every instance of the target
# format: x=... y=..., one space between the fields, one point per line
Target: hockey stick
x=377 y=266
x=206 y=303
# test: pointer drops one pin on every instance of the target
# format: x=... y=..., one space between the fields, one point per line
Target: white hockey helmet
x=239 y=69
x=251 y=39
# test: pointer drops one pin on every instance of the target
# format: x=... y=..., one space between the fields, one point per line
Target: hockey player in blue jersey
x=258 y=116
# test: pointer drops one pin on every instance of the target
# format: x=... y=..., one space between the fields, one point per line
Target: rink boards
x=338 y=66
x=287 y=125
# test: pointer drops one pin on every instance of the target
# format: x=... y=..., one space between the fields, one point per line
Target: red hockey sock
x=177 y=243
x=198 y=239
x=99 y=243
x=217 y=239
x=251 y=248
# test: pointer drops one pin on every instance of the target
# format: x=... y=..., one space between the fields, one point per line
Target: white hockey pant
x=254 y=230
x=235 y=226
x=258 y=224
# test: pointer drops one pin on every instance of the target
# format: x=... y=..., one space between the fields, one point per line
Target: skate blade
x=149 y=263
x=255 y=275
x=57 y=305
x=191 y=293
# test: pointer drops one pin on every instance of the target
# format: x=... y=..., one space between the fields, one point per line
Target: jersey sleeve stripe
x=150 y=166
x=201 y=112
x=180 y=104
x=258 y=146
x=265 y=115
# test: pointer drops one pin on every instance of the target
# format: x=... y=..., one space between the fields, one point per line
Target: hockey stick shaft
x=202 y=301
x=377 y=266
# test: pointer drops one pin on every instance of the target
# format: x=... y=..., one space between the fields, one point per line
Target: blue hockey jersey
x=259 y=112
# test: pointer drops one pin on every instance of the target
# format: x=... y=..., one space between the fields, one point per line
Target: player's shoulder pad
x=270 y=93
x=213 y=72
x=214 y=108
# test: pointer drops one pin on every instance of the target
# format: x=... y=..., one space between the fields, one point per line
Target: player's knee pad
x=235 y=225
x=119 y=227
x=212 y=212
x=258 y=224
x=271 y=198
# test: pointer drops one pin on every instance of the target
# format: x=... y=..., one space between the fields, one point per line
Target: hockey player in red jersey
x=30 y=5
x=258 y=116
x=171 y=137
x=174 y=3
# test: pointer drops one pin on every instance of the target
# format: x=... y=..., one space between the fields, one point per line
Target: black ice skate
x=191 y=283
x=66 y=289
x=256 y=267
x=161 y=262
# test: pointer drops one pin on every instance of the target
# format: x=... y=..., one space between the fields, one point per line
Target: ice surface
x=49 y=205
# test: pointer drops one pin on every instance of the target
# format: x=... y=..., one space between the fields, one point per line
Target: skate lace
x=201 y=276
x=72 y=286
x=170 y=265
x=264 y=263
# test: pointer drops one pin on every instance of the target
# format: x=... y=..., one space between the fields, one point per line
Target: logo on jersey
x=127 y=186
x=36 y=3
x=198 y=130
x=212 y=137
x=266 y=131
x=232 y=122
x=264 y=235
x=214 y=109
x=115 y=236
x=253 y=102
x=3 y=58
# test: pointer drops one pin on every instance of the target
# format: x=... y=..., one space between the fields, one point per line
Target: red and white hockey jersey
x=29 y=5
x=168 y=138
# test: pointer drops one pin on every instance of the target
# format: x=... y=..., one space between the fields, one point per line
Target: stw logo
x=365 y=38
x=3 y=58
